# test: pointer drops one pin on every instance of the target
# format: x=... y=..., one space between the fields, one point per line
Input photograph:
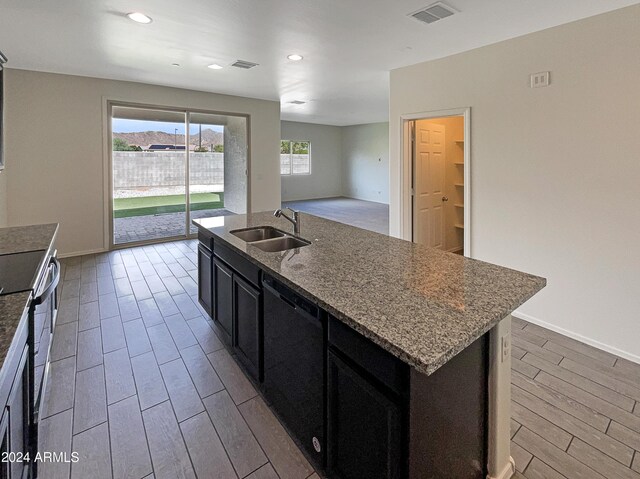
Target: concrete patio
x=168 y=225
x=363 y=214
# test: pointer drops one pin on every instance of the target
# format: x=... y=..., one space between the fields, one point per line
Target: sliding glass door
x=169 y=167
x=206 y=166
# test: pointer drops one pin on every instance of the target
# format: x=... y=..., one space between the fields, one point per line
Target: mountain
x=146 y=138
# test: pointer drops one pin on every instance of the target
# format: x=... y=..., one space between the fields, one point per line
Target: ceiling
x=349 y=46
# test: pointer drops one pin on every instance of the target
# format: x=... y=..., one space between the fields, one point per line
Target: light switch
x=539 y=80
x=506 y=347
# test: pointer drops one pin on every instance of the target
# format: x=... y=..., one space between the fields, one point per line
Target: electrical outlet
x=539 y=80
x=506 y=347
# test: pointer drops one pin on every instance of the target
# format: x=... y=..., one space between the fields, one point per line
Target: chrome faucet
x=295 y=220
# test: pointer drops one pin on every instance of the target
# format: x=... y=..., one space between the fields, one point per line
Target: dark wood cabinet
x=15 y=403
x=18 y=410
x=4 y=444
x=378 y=417
x=223 y=294
x=247 y=318
x=205 y=278
x=364 y=433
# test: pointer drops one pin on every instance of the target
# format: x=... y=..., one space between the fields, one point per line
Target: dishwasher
x=294 y=358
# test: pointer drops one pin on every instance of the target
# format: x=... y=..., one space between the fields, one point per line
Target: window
x=295 y=157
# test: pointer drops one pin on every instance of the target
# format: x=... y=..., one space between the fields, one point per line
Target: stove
x=18 y=271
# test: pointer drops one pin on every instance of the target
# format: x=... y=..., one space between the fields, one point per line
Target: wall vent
x=433 y=13
x=244 y=64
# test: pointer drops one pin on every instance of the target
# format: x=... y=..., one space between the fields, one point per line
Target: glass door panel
x=149 y=159
x=217 y=165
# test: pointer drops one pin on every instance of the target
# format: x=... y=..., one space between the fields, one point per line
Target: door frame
x=407 y=172
x=107 y=163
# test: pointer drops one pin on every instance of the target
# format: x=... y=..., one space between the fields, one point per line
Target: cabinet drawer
x=382 y=365
x=239 y=264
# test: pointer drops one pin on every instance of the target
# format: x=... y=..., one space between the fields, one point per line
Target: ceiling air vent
x=244 y=64
x=297 y=102
x=433 y=13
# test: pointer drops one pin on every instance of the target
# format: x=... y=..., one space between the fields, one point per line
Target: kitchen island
x=411 y=357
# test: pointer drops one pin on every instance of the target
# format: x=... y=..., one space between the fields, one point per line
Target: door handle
x=445 y=198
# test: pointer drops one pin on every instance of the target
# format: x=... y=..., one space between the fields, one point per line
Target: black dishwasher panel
x=294 y=357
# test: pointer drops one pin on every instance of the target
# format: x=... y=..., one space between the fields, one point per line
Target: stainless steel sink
x=269 y=239
x=260 y=233
x=281 y=244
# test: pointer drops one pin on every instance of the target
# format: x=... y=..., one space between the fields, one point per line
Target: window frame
x=291 y=142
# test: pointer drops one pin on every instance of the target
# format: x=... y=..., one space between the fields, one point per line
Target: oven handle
x=52 y=285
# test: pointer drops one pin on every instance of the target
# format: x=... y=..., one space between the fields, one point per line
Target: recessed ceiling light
x=215 y=66
x=139 y=17
x=295 y=57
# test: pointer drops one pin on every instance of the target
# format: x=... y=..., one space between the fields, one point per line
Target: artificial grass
x=153 y=205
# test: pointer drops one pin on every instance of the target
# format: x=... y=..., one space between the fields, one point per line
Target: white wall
x=554 y=171
x=55 y=154
x=326 y=159
x=365 y=153
x=235 y=164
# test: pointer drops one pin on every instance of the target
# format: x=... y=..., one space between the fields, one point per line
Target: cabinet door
x=247 y=307
x=18 y=408
x=364 y=426
x=4 y=444
x=223 y=298
x=205 y=279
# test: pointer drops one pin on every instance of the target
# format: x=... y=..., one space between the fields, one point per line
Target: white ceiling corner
x=349 y=47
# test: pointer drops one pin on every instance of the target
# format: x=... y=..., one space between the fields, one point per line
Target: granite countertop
x=12 y=308
x=421 y=304
x=20 y=239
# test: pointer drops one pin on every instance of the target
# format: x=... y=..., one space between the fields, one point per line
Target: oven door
x=43 y=311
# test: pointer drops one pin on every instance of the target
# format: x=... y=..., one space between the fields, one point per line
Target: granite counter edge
x=420 y=365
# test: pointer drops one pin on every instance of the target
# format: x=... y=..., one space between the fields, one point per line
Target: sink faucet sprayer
x=295 y=220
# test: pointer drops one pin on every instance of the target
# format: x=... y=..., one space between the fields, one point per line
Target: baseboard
x=82 y=253
x=311 y=198
x=377 y=200
x=578 y=337
x=508 y=471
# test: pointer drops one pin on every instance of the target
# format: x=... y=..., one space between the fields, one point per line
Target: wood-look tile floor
x=575 y=409
x=140 y=386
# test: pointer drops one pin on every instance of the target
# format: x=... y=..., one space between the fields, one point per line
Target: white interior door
x=429 y=184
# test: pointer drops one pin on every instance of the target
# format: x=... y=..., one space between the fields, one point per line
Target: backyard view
x=149 y=173
x=295 y=158
x=153 y=205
